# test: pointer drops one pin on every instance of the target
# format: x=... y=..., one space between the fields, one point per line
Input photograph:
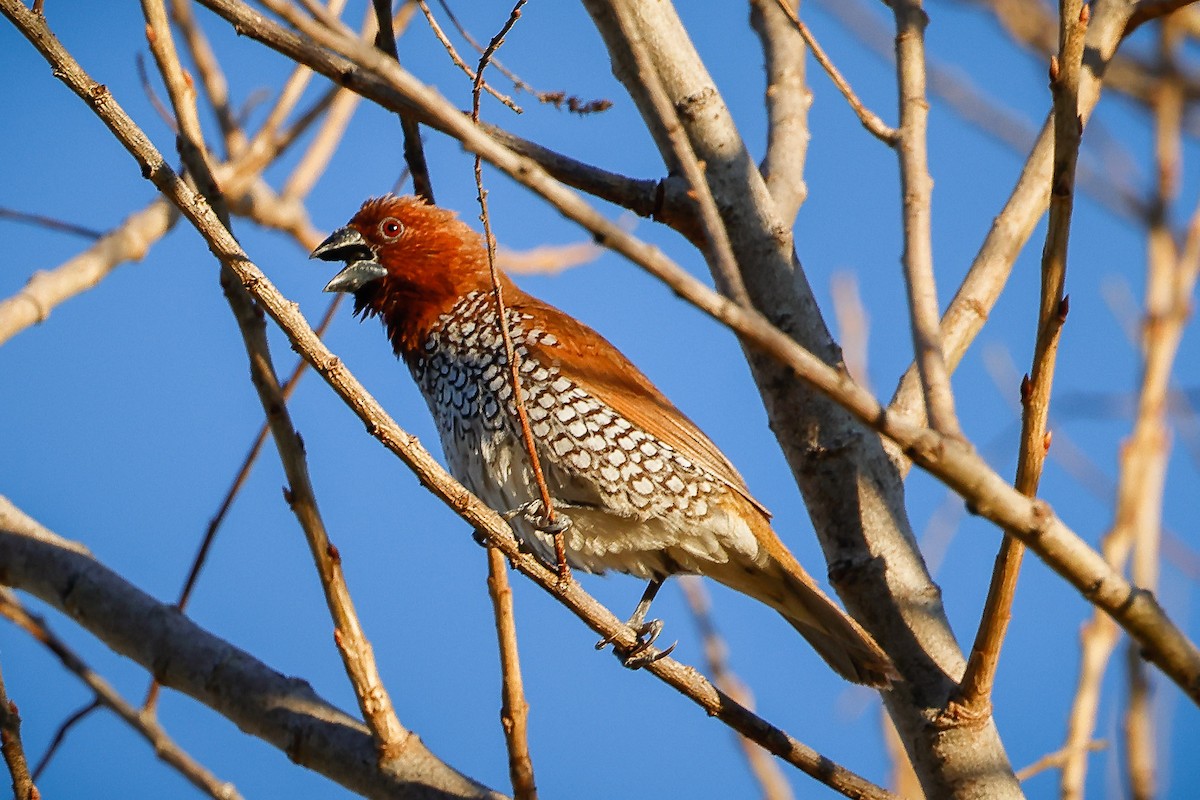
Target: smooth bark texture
x=282 y=711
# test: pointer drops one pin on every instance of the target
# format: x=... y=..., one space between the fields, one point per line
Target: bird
x=636 y=487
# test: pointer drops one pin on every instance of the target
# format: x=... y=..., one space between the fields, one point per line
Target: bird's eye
x=391 y=228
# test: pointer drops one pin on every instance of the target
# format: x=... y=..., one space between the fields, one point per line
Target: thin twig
x=145 y=726
x=50 y=223
x=457 y=59
x=60 y=735
x=976 y=687
x=414 y=152
x=1055 y=760
x=13 y=749
x=869 y=119
x=514 y=710
x=514 y=367
x=148 y=89
x=557 y=99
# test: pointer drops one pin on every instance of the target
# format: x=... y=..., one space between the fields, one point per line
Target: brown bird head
x=407 y=262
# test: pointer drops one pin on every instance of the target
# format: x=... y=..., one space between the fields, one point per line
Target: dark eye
x=391 y=228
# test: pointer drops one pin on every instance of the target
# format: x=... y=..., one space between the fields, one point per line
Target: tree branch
x=283 y=711
x=146 y=726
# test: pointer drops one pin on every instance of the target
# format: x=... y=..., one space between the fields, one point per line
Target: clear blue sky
x=124 y=417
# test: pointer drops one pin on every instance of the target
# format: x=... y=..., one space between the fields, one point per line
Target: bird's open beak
x=348 y=245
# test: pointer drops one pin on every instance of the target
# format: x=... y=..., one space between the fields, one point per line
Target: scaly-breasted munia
x=646 y=493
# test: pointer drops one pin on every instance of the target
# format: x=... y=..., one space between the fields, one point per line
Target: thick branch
x=282 y=711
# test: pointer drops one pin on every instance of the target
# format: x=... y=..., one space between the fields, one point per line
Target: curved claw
x=647 y=634
x=644 y=659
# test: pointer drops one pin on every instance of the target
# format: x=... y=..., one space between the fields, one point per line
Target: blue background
x=124 y=417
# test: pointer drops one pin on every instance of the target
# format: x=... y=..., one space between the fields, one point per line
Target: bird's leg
x=647 y=632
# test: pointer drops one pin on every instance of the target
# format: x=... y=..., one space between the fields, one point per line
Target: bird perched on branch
x=635 y=485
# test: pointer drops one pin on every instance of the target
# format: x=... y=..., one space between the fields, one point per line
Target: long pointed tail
x=784 y=585
x=835 y=636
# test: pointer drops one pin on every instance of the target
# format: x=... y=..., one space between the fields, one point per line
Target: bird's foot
x=535 y=514
x=642 y=653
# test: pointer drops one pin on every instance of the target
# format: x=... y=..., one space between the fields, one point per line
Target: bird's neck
x=413 y=310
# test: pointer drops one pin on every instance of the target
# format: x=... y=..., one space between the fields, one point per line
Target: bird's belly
x=606 y=533
x=652 y=547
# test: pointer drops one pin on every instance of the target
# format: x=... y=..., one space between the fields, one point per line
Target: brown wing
x=603 y=371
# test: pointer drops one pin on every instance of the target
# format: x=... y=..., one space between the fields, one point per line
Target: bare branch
x=871 y=121
x=129 y=241
x=916 y=187
x=14 y=750
x=457 y=59
x=977 y=294
x=283 y=711
x=1036 y=388
x=50 y=223
x=788 y=100
x=514 y=710
x=155 y=735
x=357 y=654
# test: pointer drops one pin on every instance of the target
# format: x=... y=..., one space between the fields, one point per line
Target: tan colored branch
x=281 y=710
x=916 y=187
x=129 y=241
x=1137 y=526
x=212 y=78
x=1055 y=760
x=1065 y=75
x=989 y=271
x=514 y=710
x=357 y=654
